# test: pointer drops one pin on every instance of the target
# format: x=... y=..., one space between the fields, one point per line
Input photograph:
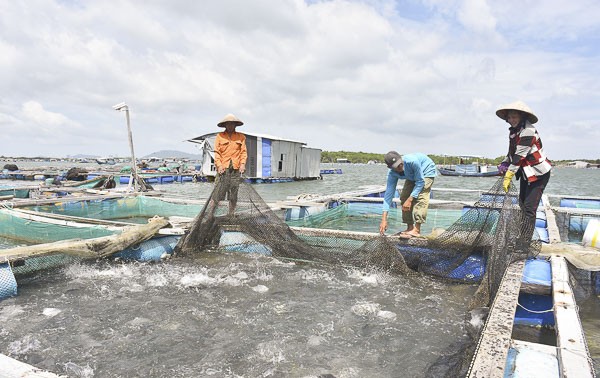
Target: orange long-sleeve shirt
x=230 y=147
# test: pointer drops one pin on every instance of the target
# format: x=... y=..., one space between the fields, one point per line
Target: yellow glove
x=507 y=179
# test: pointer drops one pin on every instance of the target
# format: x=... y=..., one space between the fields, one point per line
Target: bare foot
x=410 y=234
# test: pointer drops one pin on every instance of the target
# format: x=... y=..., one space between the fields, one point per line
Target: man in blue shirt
x=418 y=171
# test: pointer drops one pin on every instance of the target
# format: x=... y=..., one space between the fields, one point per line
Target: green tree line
x=365 y=157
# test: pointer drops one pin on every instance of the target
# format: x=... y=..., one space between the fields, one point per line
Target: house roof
x=200 y=138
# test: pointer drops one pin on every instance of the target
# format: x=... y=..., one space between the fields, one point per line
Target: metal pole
x=133 y=164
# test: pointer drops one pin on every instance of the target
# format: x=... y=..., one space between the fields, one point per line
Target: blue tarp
x=266 y=157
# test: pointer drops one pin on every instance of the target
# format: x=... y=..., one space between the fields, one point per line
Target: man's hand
x=220 y=170
x=407 y=204
x=383 y=226
x=242 y=168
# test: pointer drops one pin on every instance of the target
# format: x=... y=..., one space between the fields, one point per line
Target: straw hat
x=230 y=118
x=517 y=105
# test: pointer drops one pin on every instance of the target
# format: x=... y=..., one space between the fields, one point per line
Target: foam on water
x=51 y=312
x=24 y=345
x=216 y=316
x=374 y=278
x=8 y=312
x=260 y=288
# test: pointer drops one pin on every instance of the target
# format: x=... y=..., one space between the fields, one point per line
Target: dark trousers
x=530 y=194
x=227 y=185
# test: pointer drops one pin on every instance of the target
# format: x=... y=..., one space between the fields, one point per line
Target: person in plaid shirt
x=525 y=160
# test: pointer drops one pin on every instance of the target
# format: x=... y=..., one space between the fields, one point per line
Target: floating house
x=269 y=158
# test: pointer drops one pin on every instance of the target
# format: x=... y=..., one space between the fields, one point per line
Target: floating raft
x=11 y=368
x=536 y=294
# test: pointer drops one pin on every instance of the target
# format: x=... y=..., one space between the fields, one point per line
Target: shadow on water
x=588 y=312
x=230 y=315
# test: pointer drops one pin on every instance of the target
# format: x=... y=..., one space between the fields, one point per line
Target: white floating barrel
x=591 y=236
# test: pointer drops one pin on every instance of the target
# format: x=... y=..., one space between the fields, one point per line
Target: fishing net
x=496 y=229
x=478 y=247
x=486 y=238
x=235 y=218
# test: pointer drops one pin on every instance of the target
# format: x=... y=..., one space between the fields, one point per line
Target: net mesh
x=248 y=224
x=489 y=236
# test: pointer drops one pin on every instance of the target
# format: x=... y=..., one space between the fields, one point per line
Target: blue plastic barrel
x=8 y=283
x=578 y=223
x=543 y=234
x=531 y=311
x=150 y=250
x=580 y=203
x=540 y=219
x=471 y=270
x=235 y=241
x=538 y=272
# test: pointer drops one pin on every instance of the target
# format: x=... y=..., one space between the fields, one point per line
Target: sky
x=366 y=75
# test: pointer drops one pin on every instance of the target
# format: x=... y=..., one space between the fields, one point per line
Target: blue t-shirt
x=416 y=167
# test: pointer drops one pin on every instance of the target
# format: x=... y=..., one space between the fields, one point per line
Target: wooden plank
x=553 y=232
x=74 y=218
x=492 y=349
x=23 y=202
x=39 y=217
x=574 y=357
x=88 y=248
x=576 y=210
x=561 y=196
x=356 y=235
x=11 y=368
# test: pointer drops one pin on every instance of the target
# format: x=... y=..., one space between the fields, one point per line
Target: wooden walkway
x=11 y=368
x=571 y=353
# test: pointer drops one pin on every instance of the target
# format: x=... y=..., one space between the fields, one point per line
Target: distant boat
x=331 y=171
x=109 y=161
x=469 y=170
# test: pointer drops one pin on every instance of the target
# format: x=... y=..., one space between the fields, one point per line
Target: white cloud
x=476 y=15
x=353 y=75
x=35 y=113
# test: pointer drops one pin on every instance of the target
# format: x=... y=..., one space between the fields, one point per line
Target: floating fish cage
x=77 y=220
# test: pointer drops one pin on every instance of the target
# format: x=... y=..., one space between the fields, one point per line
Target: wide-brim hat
x=230 y=118
x=517 y=105
x=392 y=159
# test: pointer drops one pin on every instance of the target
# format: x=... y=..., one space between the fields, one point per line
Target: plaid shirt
x=525 y=151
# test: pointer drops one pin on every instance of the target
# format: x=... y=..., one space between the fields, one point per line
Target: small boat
x=469 y=170
x=109 y=161
x=337 y=171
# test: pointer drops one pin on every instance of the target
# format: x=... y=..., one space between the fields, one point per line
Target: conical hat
x=517 y=105
x=230 y=118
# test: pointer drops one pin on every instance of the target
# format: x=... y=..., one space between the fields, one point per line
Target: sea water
x=230 y=315
x=240 y=315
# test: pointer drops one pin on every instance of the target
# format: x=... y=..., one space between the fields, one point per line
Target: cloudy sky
x=370 y=75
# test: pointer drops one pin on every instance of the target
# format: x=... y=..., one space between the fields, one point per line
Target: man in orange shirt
x=230 y=160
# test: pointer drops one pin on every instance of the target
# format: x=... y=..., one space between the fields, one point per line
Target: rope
x=305 y=196
x=8 y=205
x=535 y=312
